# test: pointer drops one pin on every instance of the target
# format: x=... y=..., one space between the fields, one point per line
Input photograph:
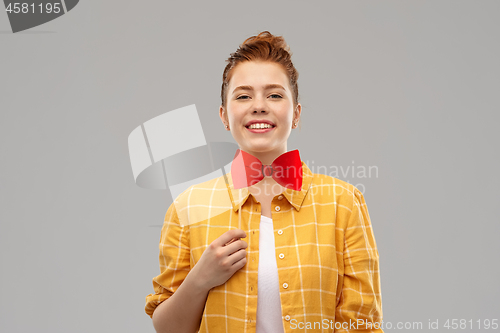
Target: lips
x=260 y=130
x=260 y=122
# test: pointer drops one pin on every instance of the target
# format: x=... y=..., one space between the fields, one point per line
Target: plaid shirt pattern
x=328 y=263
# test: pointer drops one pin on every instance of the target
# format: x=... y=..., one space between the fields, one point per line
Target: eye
x=243 y=97
x=275 y=96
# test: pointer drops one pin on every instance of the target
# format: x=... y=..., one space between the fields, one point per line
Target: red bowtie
x=286 y=170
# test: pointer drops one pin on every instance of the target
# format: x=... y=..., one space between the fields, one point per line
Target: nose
x=259 y=105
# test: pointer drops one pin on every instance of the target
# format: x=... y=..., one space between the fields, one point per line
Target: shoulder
x=345 y=197
x=331 y=186
x=202 y=200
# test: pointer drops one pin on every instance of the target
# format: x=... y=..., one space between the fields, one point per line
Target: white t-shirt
x=269 y=318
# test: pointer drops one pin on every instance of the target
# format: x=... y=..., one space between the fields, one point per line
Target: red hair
x=263 y=47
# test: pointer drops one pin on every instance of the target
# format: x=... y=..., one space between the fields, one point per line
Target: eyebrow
x=266 y=87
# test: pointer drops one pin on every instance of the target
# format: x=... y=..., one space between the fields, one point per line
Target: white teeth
x=260 y=125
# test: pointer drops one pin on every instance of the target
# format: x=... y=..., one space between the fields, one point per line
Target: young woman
x=281 y=257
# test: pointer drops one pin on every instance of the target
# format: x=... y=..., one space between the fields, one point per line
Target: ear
x=298 y=111
x=223 y=115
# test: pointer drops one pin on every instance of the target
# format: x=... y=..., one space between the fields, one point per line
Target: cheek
x=288 y=115
x=234 y=114
x=234 y=119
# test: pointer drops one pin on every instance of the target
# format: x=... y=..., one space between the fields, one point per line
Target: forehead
x=258 y=74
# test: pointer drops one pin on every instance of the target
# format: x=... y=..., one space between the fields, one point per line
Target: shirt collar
x=296 y=198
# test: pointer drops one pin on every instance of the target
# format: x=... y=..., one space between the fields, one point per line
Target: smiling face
x=259 y=93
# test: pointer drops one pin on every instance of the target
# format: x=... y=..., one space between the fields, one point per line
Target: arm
x=181 y=293
x=183 y=310
x=360 y=305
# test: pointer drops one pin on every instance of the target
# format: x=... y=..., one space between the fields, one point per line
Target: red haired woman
x=280 y=258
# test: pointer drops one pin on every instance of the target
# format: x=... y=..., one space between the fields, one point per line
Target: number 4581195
x=25 y=8
x=462 y=324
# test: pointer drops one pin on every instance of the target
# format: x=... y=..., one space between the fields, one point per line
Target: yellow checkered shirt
x=328 y=268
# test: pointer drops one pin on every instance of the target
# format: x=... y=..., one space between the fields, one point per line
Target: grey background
x=410 y=87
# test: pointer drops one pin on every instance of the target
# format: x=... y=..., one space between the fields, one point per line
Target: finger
x=237 y=233
x=235 y=246
x=228 y=236
x=240 y=264
x=238 y=256
x=231 y=241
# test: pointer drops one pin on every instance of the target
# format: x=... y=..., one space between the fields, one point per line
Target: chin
x=261 y=149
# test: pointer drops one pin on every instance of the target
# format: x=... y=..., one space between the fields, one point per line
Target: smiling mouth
x=260 y=126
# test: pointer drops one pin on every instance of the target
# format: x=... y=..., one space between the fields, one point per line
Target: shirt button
x=281 y=256
x=280 y=197
x=287 y=318
x=280 y=232
x=277 y=208
x=285 y=285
